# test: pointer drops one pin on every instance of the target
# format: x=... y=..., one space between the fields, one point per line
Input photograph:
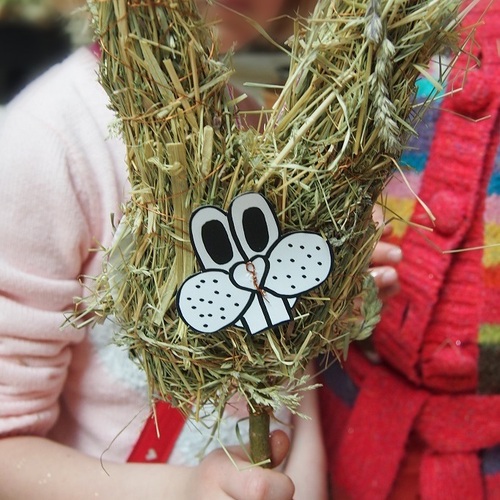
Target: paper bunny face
x=251 y=274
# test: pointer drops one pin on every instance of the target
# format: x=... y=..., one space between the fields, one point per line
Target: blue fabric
x=339 y=382
x=491 y=460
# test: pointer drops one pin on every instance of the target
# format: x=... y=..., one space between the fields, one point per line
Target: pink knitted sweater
x=62 y=176
x=60 y=173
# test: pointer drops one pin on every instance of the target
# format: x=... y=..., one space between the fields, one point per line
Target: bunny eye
x=254 y=224
x=216 y=242
x=255 y=229
x=212 y=239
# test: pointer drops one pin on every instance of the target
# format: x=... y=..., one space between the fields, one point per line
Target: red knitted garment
x=428 y=336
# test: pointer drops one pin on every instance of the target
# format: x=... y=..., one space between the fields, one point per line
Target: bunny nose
x=250 y=275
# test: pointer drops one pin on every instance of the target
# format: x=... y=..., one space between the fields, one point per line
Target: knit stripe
x=398 y=188
x=415 y=160
x=492 y=250
x=489 y=334
x=494 y=187
x=417 y=152
x=492 y=212
x=490 y=312
x=492 y=277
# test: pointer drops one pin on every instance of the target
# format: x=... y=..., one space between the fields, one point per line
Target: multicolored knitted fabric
x=432 y=405
x=402 y=202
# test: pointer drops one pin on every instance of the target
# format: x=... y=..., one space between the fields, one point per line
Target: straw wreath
x=328 y=148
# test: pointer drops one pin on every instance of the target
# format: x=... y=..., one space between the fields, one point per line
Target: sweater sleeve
x=44 y=240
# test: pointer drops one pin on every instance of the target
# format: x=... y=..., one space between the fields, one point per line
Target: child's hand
x=385 y=257
x=67 y=473
x=218 y=478
x=382 y=268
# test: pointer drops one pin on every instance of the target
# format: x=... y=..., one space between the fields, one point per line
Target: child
x=67 y=397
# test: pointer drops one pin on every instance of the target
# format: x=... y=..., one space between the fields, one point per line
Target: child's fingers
x=387 y=281
x=386 y=254
x=220 y=477
x=280 y=446
x=384 y=276
x=257 y=483
x=243 y=482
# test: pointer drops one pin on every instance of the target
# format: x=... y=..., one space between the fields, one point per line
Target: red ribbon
x=159 y=435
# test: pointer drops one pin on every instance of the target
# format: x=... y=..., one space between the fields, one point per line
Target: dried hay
x=326 y=153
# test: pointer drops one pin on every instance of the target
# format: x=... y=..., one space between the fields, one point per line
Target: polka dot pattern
x=300 y=262
x=209 y=302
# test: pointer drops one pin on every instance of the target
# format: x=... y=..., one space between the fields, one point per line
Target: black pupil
x=216 y=242
x=255 y=227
